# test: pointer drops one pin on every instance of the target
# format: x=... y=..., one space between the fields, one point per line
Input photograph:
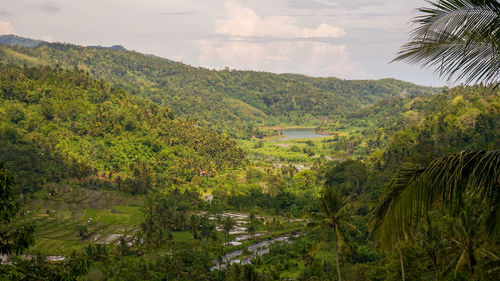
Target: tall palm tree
x=335 y=216
x=464 y=230
x=227 y=225
x=415 y=191
x=459 y=38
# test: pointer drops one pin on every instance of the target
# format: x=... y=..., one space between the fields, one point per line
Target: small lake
x=290 y=134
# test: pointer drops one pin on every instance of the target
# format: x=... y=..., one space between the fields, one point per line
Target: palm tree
x=227 y=225
x=415 y=191
x=252 y=224
x=334 y=215
x=464 y=231
x=460 y=38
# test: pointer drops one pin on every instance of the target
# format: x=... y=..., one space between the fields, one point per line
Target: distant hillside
x=233 y=102
x=114 y=47
x=15 y=40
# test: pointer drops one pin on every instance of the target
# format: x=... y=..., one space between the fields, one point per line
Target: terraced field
x=69 y=218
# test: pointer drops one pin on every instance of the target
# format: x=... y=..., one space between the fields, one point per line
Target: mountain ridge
x=202 y=94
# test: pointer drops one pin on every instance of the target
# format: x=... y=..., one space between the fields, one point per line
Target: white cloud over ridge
x=245 y=22
x=249 y=41
x=310 y=58
x=6 y=28
x=47 y=38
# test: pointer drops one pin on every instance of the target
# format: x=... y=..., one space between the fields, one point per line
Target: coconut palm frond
x=460 y=38
x=446 y=179
x=463 y=261
x=330 y=202
x=350 y=227
x=489 y=254
x=392 y=205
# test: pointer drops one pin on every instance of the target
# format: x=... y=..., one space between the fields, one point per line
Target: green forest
x=116 y=165
x=238 y=103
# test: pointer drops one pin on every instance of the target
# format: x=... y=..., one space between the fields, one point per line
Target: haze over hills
x=235 y=102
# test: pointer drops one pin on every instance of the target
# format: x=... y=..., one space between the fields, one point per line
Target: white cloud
x=50 y=7
x=245 y=22
x=179 y=57
x=47 y=38
x=6 y=28
x=310 y=58
x=327 y=60
x=290 y=49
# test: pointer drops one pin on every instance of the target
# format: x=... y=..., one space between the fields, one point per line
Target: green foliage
x=227 y=225
x=59 y=124
x=237 y=103
x=82 y=230
x=14 y=40
x=335 y=214
x=164 y=213
x=15 y=236
x=349 y=176
x=414 y=191
x=104 y=124
x=309 y=151
x=464 y=118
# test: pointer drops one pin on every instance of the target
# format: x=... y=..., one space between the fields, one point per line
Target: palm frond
x=462 y=261
x=391 y=205
x=460 y=38
x=446 y=179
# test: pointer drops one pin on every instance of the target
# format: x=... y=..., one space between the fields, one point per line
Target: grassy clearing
x=182 y=236
x=128 y=215
x=273 y=149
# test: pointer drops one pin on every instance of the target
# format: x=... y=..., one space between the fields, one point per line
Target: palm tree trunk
x=435 y=266
x=401 y=262
x=337 y=259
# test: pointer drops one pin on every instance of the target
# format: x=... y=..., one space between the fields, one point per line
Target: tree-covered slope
x=14 y=40
x=59 y=124
x=464 y=117
x=461 y=118
x=236 y=102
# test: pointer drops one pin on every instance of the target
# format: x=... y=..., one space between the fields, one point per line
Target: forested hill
x=15 y=40
x=63 y=125
x=235 y=102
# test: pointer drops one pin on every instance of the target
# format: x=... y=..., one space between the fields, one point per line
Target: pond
x=303 y=133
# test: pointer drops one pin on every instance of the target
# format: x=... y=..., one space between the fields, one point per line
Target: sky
x=348 y=39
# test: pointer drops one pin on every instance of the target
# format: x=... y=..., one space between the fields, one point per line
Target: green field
x=58 y=215
x=272 y=149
